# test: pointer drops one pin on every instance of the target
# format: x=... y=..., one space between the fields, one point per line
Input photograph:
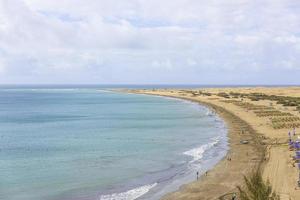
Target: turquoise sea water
x=88 y=144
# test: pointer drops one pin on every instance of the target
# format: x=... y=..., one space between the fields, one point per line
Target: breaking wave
x=130 y=194
x=197 y=153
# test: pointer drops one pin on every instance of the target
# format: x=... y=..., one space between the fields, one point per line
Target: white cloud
x=166 y=63
x=78 y=38
x=191 y=62
x=2 y=65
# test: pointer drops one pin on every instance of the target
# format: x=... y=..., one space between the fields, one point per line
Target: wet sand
x=241 y=160
x=266 y=149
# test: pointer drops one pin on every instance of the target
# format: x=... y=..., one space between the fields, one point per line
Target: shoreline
x=157 y=190
x=222 y=179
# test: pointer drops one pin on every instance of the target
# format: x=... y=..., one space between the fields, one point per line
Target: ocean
x=97 y=144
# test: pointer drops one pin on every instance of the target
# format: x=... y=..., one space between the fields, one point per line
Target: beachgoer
x=197 y=175
x=206 y=173
x=233 y=196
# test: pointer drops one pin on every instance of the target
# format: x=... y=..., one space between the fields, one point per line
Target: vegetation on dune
x=283 y=100
x=223 y=94
x=257 y=189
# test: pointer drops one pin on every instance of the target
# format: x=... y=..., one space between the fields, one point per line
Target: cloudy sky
x=150 y=41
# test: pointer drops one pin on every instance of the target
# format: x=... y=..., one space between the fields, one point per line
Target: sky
x=150 y=42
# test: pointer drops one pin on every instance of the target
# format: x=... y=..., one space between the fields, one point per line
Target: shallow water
x=92 y=144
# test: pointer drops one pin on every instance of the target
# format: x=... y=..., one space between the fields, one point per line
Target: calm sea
x=93 y=144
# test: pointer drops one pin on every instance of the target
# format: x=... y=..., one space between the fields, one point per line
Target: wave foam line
x=130 y=194
x=197 y=153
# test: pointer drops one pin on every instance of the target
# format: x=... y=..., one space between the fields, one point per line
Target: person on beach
x=197 y=175
x=233 y=196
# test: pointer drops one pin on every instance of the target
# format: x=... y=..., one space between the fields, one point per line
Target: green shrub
x=290 y=103
x=257 y=189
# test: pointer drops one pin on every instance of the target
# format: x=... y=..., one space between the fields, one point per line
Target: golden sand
x=264 y=123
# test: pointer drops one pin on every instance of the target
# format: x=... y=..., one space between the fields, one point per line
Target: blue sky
x=149 y=42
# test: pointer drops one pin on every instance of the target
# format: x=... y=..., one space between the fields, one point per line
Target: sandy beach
x=254 y=114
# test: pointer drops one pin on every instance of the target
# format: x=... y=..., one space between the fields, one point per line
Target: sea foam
x=130 y=194
x=197 y=153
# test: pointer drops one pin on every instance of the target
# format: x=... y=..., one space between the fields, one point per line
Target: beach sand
x=266 y=150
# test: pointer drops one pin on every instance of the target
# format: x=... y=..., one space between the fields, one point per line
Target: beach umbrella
x=297 y=145
x=291 y=145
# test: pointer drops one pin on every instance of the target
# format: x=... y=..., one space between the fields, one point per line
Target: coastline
x=213 y=152
x=222 y=179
